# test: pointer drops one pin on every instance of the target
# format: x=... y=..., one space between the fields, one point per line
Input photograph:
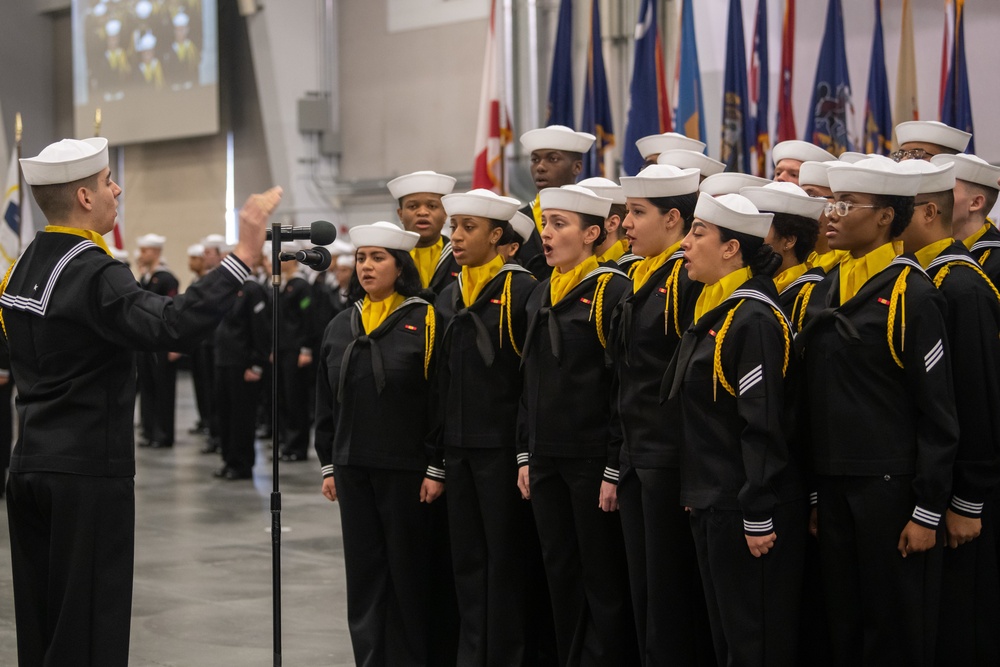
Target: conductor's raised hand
x=253 y=224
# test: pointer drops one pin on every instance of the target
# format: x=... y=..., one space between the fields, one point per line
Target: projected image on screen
x=150 y=66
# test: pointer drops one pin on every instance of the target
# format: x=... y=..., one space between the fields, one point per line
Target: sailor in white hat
x=793 y=234
x=71 y=505
x=882 y=400
x=976 y=190
x=420 y=210
x=565 y=460
x=523 y=227
x=483 y=315
x=615 y=246
x=747 y=504
x=149 y=71
x=113 y=66
x=688 y=159
x=183 y=59
x=923 y=139
x=814 y=180
x=555 y=159
x=215 y=247
x=789 y=155
x=730 y=183
x=196 y=259
x=650 y=147
x=655 y=314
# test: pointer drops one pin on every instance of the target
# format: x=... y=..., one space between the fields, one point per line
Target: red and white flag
x=905 y=107
x=493 y=130
x=947 y=49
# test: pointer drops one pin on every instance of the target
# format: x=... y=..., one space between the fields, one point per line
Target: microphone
x=320 y=232
x=317 y=258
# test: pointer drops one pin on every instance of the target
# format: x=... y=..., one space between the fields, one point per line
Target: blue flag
x=596 y=102
x=561 y=84
x=648 y=111
x=831 y=106
x=759 y=89
x=956 y=110
x=690 y=112
x=878 y=116
x=736 y=126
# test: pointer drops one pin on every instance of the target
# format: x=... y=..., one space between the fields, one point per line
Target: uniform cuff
x=765 y=527
x=437 y=474
x=814 y=499
x=522 y=459
x=259 y=370
x=925 y=517
x=966 y=508
x=610 y=475
x=237 y=268
x=306 y=351
x=327 y=471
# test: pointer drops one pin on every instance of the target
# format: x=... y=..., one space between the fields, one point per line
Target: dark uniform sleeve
x=614 y=291
x=260 y=327
x=435 y=455
x=927 y=364
x=760 y=393
x=326 y=406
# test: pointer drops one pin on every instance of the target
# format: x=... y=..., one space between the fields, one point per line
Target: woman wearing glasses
x=881 y=425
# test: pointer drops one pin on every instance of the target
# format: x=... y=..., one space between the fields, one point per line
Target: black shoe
x=210 y=449
x=145 y=443
x=291 y=457
x=233 y=474
x=156 y=444
x=221 y=472
x=198 y=429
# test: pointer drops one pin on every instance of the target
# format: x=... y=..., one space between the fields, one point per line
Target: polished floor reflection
x=202 y=594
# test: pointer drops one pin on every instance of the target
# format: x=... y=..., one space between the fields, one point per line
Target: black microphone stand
x=275 y=456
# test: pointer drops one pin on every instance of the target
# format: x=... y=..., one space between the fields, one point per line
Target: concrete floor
x=202 y=593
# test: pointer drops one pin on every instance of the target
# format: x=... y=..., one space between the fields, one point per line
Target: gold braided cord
x=631 y=268
x=717 y=374
x=787 y=336
x=982 y=258
x=505 y=307
x=429 y=328
x=598 y=307
x=898 y=296
x=672 y=293
x=946 y=269
x=801 y=304
x=3 y=288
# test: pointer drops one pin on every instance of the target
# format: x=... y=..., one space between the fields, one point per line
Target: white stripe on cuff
x=926 y=516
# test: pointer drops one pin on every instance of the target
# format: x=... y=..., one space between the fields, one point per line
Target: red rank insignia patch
x=496 y=301
x=409 y=327
x=884 y=302
x=711 y=332
x=662 y=290
x=586 y=301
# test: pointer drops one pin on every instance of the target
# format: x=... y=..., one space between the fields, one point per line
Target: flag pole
x=18 y=131
x=97 y=122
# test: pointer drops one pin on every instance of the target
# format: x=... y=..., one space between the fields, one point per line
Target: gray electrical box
x=314 y=114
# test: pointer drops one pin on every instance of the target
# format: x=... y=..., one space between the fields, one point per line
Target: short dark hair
x=590 y=220
x=407 y=284
x=683 y=203
x=805 y=230
x=756 y=254
x=902 y=209
x=56 y=201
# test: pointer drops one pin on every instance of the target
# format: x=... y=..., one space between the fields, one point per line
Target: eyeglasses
x=842 y=208
x=911 y=154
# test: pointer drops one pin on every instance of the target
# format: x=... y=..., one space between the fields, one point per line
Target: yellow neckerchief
x=152 y=72
x=827 y=260
x=117 y=60
x=643 y=269
x=474 y=278
x=373 y=313
x=562 y=284
x=971 y=241
x=426 y=260
x=927 y=254
x=854 y=273
x=536 y=212
x=88 y=234
x=185 y=50
x=613 y=253
x=788 y=276
x=712 y=295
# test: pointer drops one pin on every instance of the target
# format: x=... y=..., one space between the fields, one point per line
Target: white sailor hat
x=180 y=20
x=383 y=234
x=345 y=260
x=730 y=183
x=217 y=241
x=523 y=225
x=146 y=43
x=661 y=143
x=685 y=159
x=341 y=247
x=421 y=181
x=932 y=132
x=933 y=177
x=875 y=176
x=196 y=250
x=734 y=212
x=143 y=9
x=66 y=161
x=576 y=199
x=480 y=203
x=100 y=9
x=849 y=157
x=150 y=241
x=971 y=168
x=112 y=27
x=785 y=198
x=803 y=151
x=557 y=137
x=604 y=187
x=661 y=180
x=814 y=173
